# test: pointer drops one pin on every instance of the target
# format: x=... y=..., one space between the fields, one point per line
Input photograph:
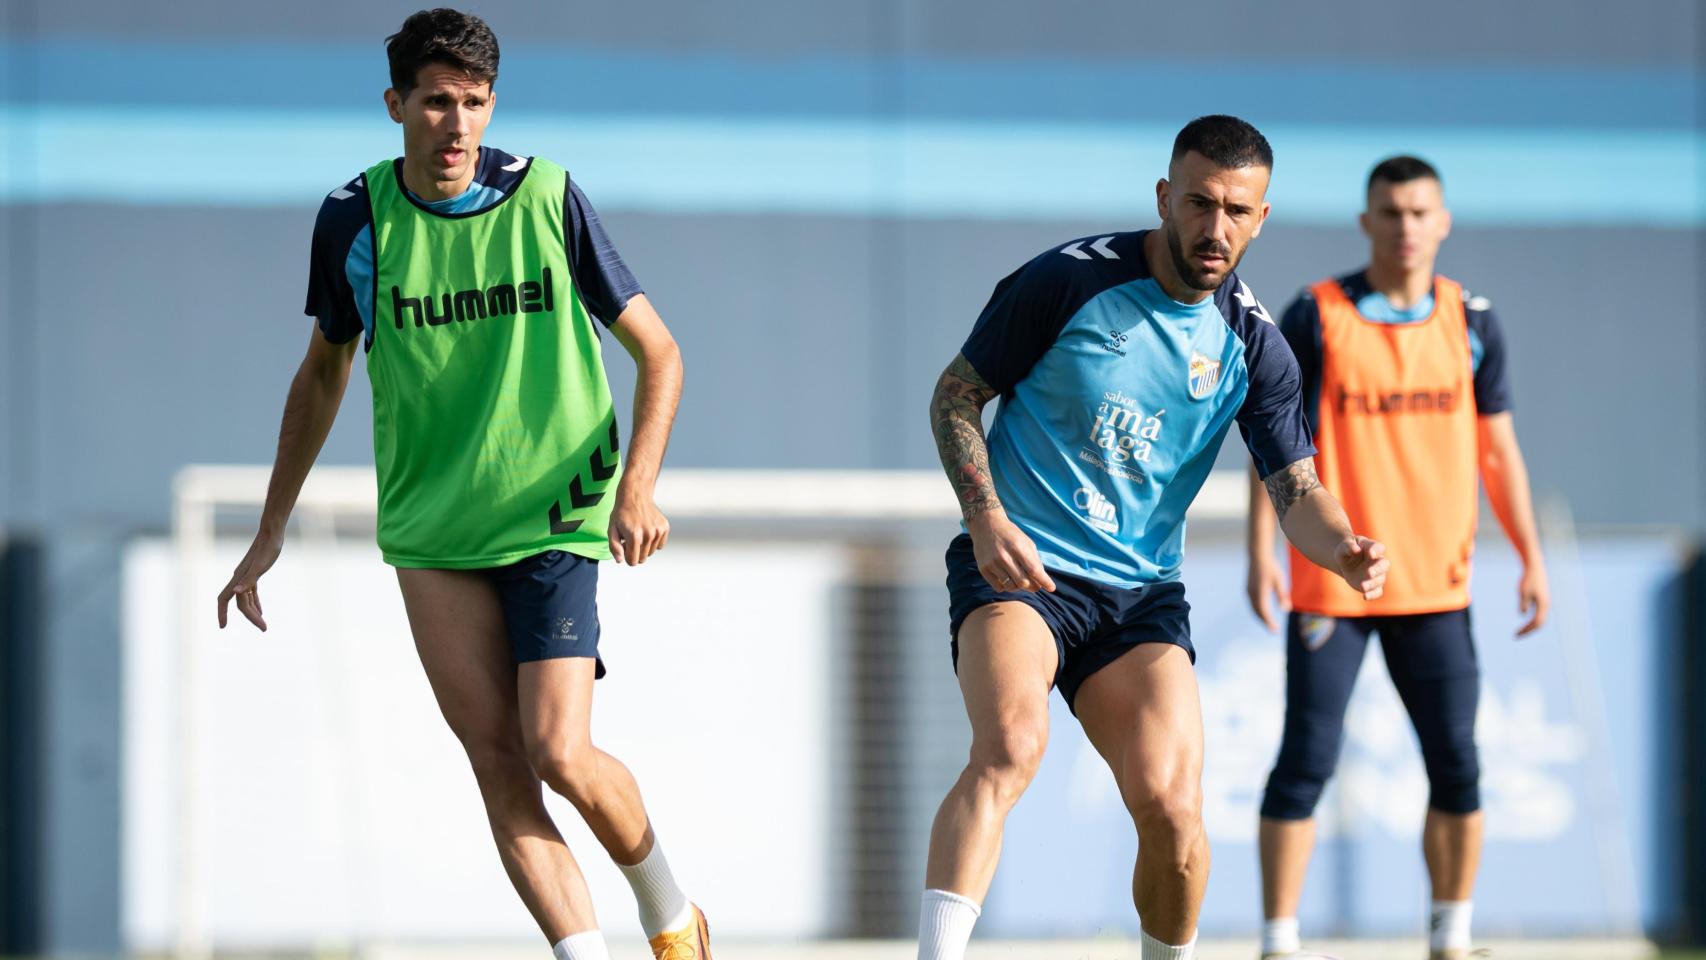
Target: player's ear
x=1162 y=205
x=1261 y=218
x=1445 y=223
x=394 y=104
x=1362 y=221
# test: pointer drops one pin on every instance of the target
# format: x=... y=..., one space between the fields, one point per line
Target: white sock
x=944 y=925
x=662 y=904
x=1448 y=925
x=587 y=945
x=1154 y=949
x=1279 y=935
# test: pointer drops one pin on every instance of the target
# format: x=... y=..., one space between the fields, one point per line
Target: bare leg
x=1285 y=848
x=1142 y=714
x=556 y=727
x=459 y=634
x=1006 y=666
x=1451 y=844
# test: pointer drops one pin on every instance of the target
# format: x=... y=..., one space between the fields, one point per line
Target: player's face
x=1210 y=214
x=443 y=119
x=1406 y=222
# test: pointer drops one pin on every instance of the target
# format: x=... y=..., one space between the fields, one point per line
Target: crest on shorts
x=1205 y=375
x=1315 y=630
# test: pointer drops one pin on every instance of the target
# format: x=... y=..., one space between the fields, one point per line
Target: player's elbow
x=937 y=396
x=658 y=358
x=326 y=368
x=665 y=354
x=1495 y=459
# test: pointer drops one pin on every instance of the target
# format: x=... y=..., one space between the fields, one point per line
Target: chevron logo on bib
x=1205 y=376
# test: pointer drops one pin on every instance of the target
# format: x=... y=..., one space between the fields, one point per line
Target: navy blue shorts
x=550 y=606
x=1093 y=623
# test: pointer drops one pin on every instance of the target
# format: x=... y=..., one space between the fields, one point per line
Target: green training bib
x=494 y=434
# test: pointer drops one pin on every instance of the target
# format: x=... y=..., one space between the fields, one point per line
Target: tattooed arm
x=1005 y=556
x=1315 y=523
x=956 y=418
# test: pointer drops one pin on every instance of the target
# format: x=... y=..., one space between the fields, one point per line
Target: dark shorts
x=550 y=606
x=1093 y=623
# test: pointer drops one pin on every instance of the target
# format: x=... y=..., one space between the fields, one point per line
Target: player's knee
x=1293 y=791
x=1306 y=762
x=501 y=769
x=568 y=770
x=1167 y=810
x=1454 y=780
x=1453 y=764
x=1008 y=760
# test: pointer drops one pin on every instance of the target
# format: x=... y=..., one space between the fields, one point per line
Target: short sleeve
x=1487 y=351
x=1271 y=420
x=1300 y=325
x=603 y=280
x=1021 y=321
x=344 y=214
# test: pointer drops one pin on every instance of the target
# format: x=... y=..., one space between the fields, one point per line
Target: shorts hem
x=1107 y=653
x=598 y=668
x=405 y=562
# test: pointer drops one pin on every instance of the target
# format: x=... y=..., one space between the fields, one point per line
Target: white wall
x=333 y=805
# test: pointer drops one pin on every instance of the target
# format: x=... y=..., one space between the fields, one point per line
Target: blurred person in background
x=1404 y=386
x=1121 y=361
x=471 y=278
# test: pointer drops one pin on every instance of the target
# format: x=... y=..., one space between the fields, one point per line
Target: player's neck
x=1161 y=267
x=417 y=181
x=1404 y=288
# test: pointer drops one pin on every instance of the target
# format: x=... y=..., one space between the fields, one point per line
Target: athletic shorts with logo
x=1093 y=623
x=550 y=606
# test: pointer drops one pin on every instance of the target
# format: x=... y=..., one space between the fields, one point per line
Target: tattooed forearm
x=1291 y=484
x=956 y=420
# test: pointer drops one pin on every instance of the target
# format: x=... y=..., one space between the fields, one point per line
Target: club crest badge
x=1205 y=376
x=1315 y=630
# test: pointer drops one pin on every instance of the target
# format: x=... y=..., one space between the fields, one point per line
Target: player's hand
x=1005 y=556
x=1363 y=564
x=1534 y=598
x=1266 y=581
x=245 y=582
x=638 y=528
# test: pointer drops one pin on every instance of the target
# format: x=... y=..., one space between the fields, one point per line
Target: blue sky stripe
x=348 y=75
x=913 y=168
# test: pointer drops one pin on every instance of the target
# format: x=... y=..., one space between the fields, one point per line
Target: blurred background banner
x=1575 y=737
x=818 y=198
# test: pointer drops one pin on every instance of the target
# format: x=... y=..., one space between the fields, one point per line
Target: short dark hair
x=1402 y=169
x=1225 y=141
x=451 y=37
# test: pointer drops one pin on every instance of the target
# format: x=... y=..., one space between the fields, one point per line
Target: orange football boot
x=692 y=942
